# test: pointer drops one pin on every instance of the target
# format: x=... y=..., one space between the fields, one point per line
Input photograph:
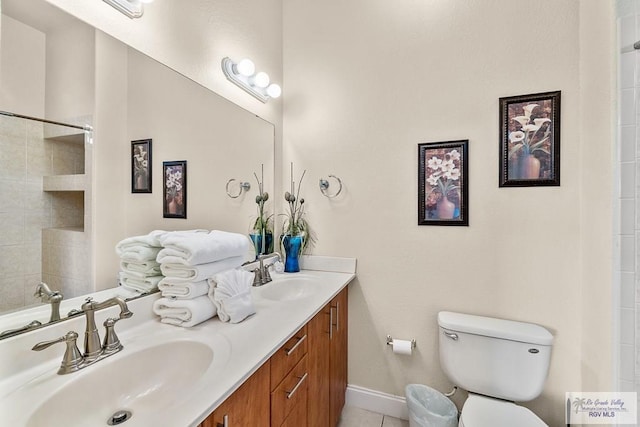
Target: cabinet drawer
x=298 y=416
x=288 y=356
x=291 y=392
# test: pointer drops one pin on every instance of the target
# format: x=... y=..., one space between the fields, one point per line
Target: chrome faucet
x=92 y=347
x=262 y=276
x=52 y=297
x=73 y=360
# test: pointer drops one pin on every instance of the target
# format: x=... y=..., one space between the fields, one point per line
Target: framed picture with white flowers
x=443 y=189
x=141 y=166
x=174 y=187
x=530 y=140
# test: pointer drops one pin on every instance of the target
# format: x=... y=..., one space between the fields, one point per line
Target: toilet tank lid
x=495 y=328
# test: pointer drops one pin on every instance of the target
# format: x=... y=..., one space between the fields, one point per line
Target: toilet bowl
x=498 y=362
x=481 y=411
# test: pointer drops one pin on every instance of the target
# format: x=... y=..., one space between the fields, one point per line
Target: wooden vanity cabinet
x=289 y=382
x=327 y=360
x=302 y=385
x=247 y=406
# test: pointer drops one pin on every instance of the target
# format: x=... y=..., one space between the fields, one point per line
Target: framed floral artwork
x=530 y=140
x=443 y=189
x=174 y=189
x=141 y=166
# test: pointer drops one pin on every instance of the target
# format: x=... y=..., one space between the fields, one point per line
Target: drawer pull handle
x=225 y=422
x=292 y=349
x=330 y=323
x=290 y=393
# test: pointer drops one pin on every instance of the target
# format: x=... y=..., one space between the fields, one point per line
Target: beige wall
x=70 y=73
x=193 y=37
x=22 y=69
x=366 y=81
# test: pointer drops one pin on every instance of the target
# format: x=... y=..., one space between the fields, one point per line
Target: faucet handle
x=72 y=359
x=111 y=342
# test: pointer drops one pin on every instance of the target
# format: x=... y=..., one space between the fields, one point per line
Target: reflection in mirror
x=90 y=78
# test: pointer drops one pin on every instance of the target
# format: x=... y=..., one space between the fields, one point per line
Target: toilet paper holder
x=390 y=341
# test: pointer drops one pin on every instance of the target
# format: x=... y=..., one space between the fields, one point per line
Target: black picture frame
x=530 y=140
x=174 y=189
x=443 y=183
x=141 y=166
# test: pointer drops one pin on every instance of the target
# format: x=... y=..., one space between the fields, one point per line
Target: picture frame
x=141 y=166
x=443 y=183
x=174 y=189
x=530 y=140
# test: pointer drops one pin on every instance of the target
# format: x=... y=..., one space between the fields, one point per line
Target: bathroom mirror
x=56 y=67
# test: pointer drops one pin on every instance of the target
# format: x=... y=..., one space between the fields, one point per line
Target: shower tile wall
x=25 y=210
x=627 y=228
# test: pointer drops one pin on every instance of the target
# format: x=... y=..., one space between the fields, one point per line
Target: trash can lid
x=480 y=411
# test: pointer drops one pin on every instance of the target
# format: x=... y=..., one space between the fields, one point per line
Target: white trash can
x=429 y=407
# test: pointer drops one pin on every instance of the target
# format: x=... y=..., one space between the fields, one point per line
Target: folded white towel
x=148 y=240
x=139 y=253
x=146 y=284
x=200 y=248
x=196 y=273
x=184 y=312
x=230 y=291
x=141 y=269
x=183 y=290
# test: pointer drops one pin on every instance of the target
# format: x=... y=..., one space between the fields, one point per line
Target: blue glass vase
x=257 y=243
x=292 y=247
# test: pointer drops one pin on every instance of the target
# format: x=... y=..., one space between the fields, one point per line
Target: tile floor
x=356 y=417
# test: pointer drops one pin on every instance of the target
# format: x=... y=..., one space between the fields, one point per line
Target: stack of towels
x=139 y=270
x=189 y=261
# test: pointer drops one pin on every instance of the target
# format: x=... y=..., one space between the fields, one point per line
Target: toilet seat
x=482 y=411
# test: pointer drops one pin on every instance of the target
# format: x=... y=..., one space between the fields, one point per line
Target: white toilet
x=498 y=362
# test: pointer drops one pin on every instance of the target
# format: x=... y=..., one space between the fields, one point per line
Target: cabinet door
x=319 y=368
x=338 y=359
x=247 y=406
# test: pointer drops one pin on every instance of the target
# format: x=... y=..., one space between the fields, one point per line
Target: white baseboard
x=377 y=401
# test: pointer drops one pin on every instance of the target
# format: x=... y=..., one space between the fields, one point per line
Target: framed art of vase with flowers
x=141 y=166
x=443 y=190
x=174 y=187
x=530 y=140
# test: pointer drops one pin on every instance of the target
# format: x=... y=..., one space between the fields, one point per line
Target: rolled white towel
x=236 y=308
x=200 y=248
x=141 y=268
x=230 y=291
x=196 y=273
x=146 y=284
x=184 y=290
x=184 y=312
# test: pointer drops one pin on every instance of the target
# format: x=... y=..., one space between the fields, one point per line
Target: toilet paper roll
x=402 y=347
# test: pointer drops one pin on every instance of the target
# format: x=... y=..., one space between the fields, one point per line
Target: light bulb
x=274 y=90
x=261 y=79
x=246 y=67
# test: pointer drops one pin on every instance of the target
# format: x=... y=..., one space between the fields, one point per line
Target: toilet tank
x=500 y=358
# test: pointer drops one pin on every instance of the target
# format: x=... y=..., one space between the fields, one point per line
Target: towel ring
x=244 y=186
x=324 y=186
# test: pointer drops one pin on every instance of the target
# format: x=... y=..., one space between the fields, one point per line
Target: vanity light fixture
x=244 y=75
x=131 y=8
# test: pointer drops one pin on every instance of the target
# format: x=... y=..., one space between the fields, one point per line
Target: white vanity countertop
x=250 y=343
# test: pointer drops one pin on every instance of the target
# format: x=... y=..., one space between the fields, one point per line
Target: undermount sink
x=146 y=379
x=289 y=288
x=137 y=382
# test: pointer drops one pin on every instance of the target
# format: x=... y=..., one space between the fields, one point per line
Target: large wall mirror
x=67 y=193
